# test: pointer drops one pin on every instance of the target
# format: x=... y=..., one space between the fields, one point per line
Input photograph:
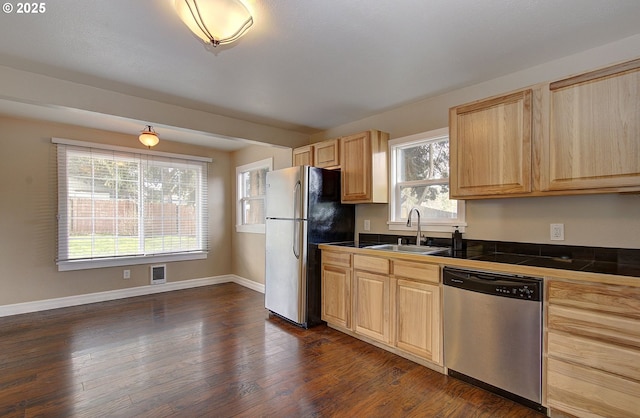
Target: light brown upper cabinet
x=326 y=154
x=580 y=135
x=364 y=167
x=594 y=132
x=490 y=143
x=303 y=155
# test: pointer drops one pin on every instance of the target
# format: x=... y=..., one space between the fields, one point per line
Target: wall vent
x=158 y=274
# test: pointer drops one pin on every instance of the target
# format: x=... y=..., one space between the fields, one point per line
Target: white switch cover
x=557 y=232
x=126 y=274
x=367 y=225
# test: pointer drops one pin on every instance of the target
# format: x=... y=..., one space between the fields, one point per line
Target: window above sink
x=419 y=178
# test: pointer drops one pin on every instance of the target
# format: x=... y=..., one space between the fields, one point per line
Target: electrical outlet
x=126 y=274
x=367 y=225
x=557 y=232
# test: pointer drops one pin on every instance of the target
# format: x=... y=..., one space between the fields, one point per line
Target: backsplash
x=599 y=259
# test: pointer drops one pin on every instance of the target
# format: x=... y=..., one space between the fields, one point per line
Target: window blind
x=117 y=204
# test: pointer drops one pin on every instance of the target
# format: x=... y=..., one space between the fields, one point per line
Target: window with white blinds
x=118 y=206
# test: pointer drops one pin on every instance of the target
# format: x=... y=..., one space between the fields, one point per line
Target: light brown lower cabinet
x=593 y=349
x=336 y=288
x=371 y=302
x=394 y=302
x=418 y=318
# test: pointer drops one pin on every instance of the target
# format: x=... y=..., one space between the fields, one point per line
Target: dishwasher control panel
x=516 y=287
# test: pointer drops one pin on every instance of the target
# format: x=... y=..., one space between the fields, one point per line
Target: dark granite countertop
x=618 y=261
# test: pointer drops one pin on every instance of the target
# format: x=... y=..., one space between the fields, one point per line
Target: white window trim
x=72 y=265
x=254 y=228
x=129 y=261
x=430 y=225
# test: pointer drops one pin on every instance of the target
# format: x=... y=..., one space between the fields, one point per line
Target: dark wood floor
x=213 y=351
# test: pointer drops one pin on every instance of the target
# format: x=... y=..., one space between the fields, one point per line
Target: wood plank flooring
x=213 y=352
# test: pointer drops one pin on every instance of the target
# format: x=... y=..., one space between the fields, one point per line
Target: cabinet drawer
x=618 y=300
x=336 y=258
x=417 y=271
x=585 y=392
x=373 y=264
x=602 y=327
x=623 y=361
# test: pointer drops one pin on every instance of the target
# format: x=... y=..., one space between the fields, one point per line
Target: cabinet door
x=364 y=167
x=356 y=170
x=327 y=154
x=303 y=155
x=372 y=305
x=336 y=295
x=418 y=319
x=490 y=145
x=594 y=138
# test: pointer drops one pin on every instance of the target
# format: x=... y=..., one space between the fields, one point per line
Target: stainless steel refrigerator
x=303 y=209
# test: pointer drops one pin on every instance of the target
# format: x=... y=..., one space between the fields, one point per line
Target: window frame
x=134 y=259
x=426 y=224
x=240 y=198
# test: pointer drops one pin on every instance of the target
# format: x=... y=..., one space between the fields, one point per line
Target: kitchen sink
x=415 y=249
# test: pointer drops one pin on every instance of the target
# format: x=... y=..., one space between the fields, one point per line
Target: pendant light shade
x=217 y=22
x=149 y=137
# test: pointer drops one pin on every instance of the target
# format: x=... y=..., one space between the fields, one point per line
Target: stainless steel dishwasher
x=493 y=332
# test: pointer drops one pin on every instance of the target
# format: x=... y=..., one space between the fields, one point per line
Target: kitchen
x=607 y=220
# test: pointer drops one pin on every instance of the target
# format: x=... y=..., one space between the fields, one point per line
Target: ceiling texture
x=306 y=65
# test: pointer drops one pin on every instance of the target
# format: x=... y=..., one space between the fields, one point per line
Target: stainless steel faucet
x=418 y=239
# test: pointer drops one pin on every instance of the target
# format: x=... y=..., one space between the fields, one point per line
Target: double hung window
x=419 y=178
x=251 y=182
x=118 y=206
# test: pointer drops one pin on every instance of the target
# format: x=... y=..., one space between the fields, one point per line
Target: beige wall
x=248 y=249
x=65 y=97
x=604 y=220
x=28 y=206
x=611 y=220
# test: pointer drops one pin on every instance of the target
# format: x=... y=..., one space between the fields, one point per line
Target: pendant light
x=216 y=22
x=149 y=137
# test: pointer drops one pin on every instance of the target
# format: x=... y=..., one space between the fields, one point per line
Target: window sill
x=253 y=229
x=129 y=261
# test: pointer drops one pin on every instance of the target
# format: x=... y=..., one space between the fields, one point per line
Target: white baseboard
x=43 y=305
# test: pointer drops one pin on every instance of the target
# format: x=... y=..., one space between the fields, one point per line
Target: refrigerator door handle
x=296 y=216
x=296 y=239
x=296 y=200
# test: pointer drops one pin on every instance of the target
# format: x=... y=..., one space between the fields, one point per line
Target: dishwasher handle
x=459 y=276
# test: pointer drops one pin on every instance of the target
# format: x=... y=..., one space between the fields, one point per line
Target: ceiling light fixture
x=149 y=137
x=216 y=22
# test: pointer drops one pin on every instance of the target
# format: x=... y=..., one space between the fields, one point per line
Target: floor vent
x=158 y=274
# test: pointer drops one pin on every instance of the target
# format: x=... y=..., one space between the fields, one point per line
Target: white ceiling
x=305 y=65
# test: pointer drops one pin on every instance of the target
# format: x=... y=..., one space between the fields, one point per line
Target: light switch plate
x=367 y=225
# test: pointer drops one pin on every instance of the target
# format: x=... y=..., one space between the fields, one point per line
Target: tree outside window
x=420 y=179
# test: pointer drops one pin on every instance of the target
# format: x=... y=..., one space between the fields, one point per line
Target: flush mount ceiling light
x=216 y=22
x=149 y=137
